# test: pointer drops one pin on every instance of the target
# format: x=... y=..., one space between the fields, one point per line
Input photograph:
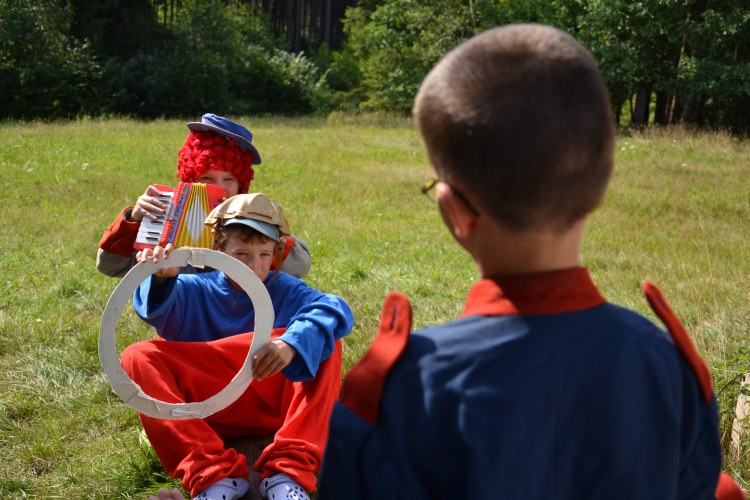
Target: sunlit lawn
x=676 y=214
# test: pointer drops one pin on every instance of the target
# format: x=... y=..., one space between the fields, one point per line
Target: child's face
x=222 y=178
x=257 y=254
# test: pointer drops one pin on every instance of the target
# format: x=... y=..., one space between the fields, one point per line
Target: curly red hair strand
x=204 y=151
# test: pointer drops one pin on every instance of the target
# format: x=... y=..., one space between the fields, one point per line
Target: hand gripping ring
x=129 y=391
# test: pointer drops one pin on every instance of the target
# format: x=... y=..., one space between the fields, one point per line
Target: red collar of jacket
x=552 y=292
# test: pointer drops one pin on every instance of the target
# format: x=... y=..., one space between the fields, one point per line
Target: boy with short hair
x=542 y=389
x=217 y=151
x=204 y=315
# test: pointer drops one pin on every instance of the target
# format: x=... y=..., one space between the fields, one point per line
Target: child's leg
x=298 y=447
x=193 y=371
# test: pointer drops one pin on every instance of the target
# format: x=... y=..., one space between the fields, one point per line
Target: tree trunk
x=616 y=102
x=662 y=111
x=298 y=26
x=641 y=108
x=327 y=23
x=692 y=112
x=290 y=23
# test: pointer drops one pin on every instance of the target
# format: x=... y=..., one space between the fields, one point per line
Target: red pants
x=298 y=412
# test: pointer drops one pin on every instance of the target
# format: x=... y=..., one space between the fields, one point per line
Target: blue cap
x=263 y=228
x=228 y=129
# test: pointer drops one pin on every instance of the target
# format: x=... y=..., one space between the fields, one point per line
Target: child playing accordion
x=217 y=151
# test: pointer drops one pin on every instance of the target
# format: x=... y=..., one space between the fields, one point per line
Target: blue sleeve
x=156 y=302
x=312 y=332
x=357 y=464
x=702 y=461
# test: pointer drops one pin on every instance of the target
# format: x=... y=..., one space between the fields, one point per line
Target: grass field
x=676 y=214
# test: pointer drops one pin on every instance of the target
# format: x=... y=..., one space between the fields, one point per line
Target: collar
x=549 y=292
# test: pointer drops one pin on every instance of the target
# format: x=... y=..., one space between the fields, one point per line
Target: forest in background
x=665 y=62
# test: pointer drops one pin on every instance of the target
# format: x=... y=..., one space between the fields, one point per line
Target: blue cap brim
x=263 y=228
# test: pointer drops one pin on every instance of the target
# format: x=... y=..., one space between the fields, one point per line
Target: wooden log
x=251 y=447
x=741 y=424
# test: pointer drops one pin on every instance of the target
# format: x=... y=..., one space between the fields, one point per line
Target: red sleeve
x=119 y=237
x=728 y=489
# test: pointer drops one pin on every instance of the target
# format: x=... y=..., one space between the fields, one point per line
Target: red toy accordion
x=188 y=205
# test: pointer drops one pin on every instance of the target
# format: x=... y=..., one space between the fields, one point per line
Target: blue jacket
x=542 y=390
x=205 y=306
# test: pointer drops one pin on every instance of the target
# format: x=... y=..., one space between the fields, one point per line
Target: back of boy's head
x=518 y=119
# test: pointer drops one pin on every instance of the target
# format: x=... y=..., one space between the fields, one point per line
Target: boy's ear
x=457 y=215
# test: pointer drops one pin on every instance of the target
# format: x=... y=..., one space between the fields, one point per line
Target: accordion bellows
x=256 y=206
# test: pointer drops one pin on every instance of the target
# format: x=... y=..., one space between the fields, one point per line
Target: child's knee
x=135 y=355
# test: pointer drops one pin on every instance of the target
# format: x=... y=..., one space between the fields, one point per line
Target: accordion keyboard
x=150 y=231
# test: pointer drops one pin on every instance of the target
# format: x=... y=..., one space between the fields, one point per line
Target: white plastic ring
x=129 y=391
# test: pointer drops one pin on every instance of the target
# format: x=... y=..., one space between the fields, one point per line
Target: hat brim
x=241 y=141
x=263 y=228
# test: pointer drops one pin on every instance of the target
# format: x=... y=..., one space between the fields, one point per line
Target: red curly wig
x=204 y=151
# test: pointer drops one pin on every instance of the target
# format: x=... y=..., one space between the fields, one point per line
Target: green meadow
x=676 y=214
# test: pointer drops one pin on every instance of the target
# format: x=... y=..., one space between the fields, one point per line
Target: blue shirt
x=205 y=307
x=542 y=390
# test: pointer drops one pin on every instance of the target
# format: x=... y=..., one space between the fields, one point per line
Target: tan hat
x=246 y=208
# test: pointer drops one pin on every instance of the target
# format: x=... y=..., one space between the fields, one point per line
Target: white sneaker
x=282 y=487
x=229 y=488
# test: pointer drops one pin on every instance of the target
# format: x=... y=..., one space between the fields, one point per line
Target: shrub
x=219 y=59
x=44 y=71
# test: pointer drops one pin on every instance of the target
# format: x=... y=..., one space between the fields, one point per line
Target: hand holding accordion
x=188 y=205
